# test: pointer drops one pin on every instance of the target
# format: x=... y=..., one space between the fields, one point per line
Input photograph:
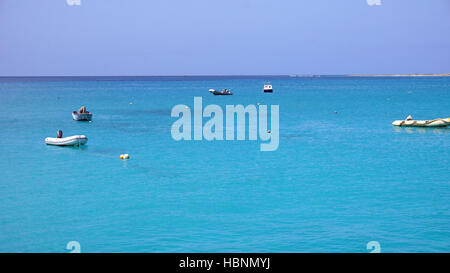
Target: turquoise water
x=336 y=182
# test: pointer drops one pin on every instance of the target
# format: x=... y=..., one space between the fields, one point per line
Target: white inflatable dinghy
x=440 y=122
x=67 y=141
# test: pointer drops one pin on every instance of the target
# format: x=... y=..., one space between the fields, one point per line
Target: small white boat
x=82 y=115
x=409 y=122
x=67 y=141
x=268 y=87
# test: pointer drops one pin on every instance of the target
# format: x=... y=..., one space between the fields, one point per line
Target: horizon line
x=231 y=75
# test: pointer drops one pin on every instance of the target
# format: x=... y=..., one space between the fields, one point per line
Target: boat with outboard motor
x=76 y=140
x=59 y=140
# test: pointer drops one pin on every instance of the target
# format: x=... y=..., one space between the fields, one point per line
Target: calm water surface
x=336 y=182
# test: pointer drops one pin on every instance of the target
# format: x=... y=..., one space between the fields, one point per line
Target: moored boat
x=268 y=87
x=76 y=140
x=82 y=115
x=221 y=92
x=409 y=122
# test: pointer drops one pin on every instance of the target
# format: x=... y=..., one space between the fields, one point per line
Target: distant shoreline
x=401 y=75
x=180 y=77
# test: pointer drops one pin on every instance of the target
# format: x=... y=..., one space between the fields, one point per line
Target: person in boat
x=82 y=110
x=59 y=134
x=409 y=117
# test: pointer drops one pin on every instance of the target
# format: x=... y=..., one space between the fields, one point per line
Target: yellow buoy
x=124 y=156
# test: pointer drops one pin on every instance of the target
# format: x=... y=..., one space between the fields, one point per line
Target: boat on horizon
x=268 y=87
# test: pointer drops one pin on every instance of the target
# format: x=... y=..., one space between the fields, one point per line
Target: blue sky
x=212 y=37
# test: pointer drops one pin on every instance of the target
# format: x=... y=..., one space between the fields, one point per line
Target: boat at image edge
x=440 y=122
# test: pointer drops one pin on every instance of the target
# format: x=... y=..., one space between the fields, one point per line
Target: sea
x=343 y=179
